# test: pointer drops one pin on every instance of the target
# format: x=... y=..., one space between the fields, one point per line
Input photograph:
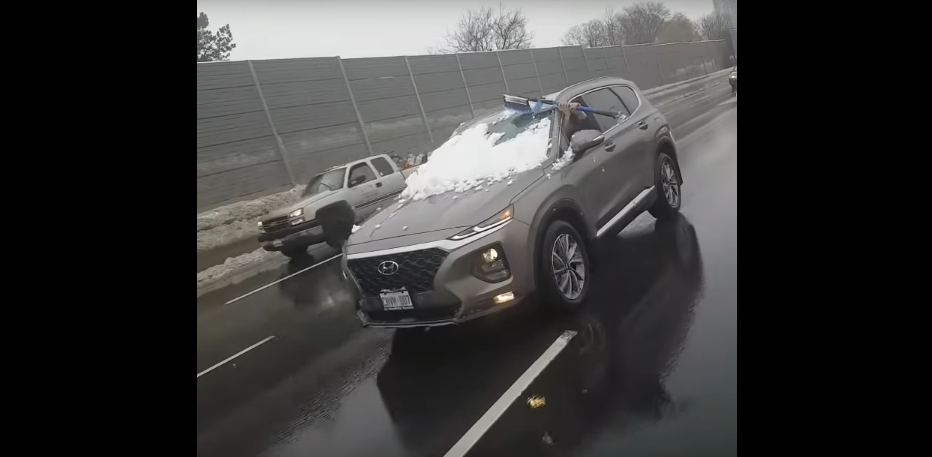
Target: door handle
x=609 y=146
x=378 y=184
x=643 y=125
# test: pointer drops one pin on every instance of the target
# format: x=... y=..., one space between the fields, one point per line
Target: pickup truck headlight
x=298 y=213
x=495 y=221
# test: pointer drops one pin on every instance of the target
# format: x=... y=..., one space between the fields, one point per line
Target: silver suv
x=332 y=202
x=455 y=257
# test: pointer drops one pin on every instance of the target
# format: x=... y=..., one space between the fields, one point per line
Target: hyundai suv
x=466 y=251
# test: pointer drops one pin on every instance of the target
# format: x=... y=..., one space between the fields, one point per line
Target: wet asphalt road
x=651 y=370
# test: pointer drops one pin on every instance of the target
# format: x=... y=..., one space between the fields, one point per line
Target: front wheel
x=667 y=185
x=564 y=268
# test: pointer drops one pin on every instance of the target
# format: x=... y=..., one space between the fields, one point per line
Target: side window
x=571 y=125
x=628 y=96
x=382 y=166
x=606 y=100
x=361 y=174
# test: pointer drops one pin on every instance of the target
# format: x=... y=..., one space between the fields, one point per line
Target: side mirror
x=585 y=140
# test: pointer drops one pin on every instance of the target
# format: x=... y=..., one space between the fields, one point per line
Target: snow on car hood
x=473 y=159
x=405 y=218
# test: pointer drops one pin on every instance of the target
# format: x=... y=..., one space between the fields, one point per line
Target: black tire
x=550 y=289
x=734 y=90
x=295 y=253
x=667 y=179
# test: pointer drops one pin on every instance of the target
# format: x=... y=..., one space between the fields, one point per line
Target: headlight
x=497 y=220
x=734 y=76
x=491 y=265
x=297 y=213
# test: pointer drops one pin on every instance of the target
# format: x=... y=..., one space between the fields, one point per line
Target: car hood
x=286 y=210
x=443 y=212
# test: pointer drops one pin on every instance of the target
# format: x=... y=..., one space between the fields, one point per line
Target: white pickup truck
x=333 y=201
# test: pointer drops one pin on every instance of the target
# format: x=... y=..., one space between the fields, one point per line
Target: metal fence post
x=663 y=79
x=419 y=103
x=504 y=78
x=536 y=72
x=585 y=58
x=608 y=66
x=279 y=145
x=563 y=64
x=362 y=124
x=624 y=56
x=465 y=86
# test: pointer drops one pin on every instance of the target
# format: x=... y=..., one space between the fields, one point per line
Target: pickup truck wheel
x=564 y=267
x=667 y=186
x=295 y=253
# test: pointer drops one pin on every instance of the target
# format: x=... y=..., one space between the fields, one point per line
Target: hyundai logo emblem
x=388 y=268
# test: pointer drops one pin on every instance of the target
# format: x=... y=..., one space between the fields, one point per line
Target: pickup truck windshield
x=326 y=182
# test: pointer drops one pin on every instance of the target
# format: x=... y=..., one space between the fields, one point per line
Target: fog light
x=504 y=298
x=297 y=221
x=491 y=265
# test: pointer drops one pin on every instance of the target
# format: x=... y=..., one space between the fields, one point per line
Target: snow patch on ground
x=231 y=266
x=472 y=159
x=238 y=221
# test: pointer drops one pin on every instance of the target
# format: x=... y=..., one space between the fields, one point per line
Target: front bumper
x=308 y=237
x=457 y=295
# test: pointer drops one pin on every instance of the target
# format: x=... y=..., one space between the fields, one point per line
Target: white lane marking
x=733 y=100
x=283 y=279
x=235 y=356
x=477 y=431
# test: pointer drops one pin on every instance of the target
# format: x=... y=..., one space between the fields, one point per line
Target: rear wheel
x=667 y=185
x=564 y=268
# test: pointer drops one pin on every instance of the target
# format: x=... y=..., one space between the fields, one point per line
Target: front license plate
x=277 y=243
x=397 y=301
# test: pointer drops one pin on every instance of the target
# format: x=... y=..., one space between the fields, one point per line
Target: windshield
x=508 y=124
x=326 y=182
x=516 y=124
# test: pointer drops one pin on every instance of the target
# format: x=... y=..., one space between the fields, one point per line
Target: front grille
x=416 y=271
x=276 y=224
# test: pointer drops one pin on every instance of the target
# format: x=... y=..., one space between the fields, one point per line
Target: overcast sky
x=276 y=29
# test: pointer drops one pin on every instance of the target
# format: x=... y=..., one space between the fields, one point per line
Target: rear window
x=627 y=96
x=382 y=166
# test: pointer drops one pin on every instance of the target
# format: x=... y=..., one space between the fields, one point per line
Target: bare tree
x=510 y=30
x=679 y=29
x=486 y=29
x=595 y=33
x=588 y=35
x=614 y=34
x=642 y=22
x=715 y=26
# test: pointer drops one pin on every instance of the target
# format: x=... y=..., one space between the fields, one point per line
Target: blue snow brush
x=539 y=105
